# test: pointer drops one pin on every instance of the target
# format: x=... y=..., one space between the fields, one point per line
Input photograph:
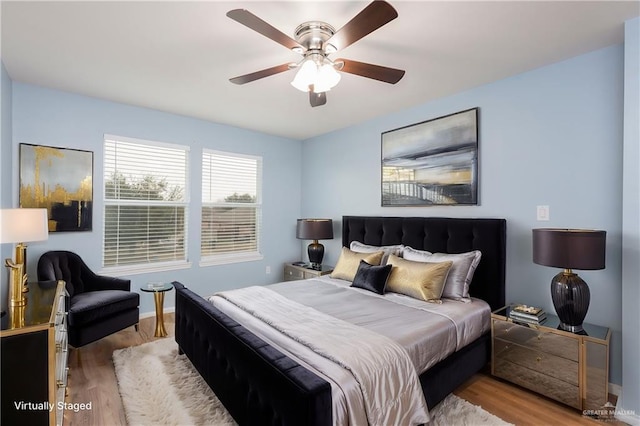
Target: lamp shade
x=569 y=248
x=23 y=225
x=314 y=229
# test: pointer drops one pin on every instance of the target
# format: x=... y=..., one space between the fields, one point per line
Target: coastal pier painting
x=432 y=163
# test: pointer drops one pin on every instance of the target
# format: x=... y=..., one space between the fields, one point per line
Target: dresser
x=296 y=272
x=34 y=358
x=570 y=368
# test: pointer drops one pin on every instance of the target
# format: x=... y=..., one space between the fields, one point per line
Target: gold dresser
x=34 y=358
x=570 y=368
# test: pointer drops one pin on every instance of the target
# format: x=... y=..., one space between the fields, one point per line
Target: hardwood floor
x=92 y=379
x=519 y=406
x=92 y=376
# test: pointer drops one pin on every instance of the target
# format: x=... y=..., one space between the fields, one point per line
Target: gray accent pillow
x=359 y=247
x=461 y=273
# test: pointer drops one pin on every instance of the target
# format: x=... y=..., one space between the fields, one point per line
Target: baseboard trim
x=615 y=389
x=152 y=314
x=630 y=417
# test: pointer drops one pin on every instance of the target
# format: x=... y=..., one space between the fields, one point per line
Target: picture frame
x=431 y=163
x=60 y=180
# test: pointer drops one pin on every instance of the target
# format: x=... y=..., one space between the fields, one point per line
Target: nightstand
x=570 y=368
x=294 y=272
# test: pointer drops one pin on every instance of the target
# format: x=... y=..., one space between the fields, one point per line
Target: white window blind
x=231 y=207
x=145 y=207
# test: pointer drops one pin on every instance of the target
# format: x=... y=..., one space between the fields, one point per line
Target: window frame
x=234 y=257
x=147 y=267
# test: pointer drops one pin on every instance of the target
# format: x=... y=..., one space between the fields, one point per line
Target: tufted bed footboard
x=255 y=382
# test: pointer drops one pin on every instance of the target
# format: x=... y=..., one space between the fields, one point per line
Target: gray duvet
x=428 y=333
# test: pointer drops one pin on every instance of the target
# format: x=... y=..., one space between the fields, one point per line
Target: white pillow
x=461 y=273
x=359 y=247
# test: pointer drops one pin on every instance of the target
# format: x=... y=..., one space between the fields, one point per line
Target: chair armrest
x=101 y=282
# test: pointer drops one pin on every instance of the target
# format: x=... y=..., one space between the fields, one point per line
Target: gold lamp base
x=17 y=283
x=16 y=316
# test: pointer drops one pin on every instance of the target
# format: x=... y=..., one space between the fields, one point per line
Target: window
x=145 y=204
x=231 y=207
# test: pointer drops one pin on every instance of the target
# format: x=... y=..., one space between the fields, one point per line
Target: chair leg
x=137 y=327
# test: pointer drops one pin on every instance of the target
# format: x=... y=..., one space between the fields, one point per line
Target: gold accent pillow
x=349 y=261
x=461 y=273
x=420 y=280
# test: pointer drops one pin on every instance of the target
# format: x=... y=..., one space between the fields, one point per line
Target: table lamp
x=21 y=226
x=570 y=249
x=315 y=229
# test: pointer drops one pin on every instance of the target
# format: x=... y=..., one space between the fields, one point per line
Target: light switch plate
x=542 y=213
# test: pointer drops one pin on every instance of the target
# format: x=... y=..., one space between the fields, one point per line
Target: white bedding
x=428 y=332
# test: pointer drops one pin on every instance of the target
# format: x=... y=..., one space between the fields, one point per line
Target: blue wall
x=48 y=117
x=552 y=136
x=5 y=171
x=631 y=224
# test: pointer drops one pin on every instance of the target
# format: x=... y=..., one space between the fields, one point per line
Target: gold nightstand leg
x=159 y=299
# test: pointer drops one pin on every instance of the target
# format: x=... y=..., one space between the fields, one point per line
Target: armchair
x=97 y=306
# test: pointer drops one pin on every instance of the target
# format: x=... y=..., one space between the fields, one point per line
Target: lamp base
x=17 y=283
x=571 y=296
x=576 y=329
x=316 y=253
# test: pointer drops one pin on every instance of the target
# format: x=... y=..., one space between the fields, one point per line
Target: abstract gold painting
x=60 y=180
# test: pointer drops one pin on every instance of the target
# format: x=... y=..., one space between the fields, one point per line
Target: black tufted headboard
x=443 y=235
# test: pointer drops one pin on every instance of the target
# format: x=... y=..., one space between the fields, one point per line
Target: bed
x=259 y=384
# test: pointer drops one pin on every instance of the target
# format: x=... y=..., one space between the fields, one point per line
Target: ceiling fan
x=315 y=41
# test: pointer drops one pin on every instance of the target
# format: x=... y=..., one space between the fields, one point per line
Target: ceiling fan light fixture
x=327 y=78
x=306 y=76
x=322 y=77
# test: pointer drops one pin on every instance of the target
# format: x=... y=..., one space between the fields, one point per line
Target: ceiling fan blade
x=250 y=20
x=247 y=78
x=376 y=72
x=367 y=21
x=317 y=99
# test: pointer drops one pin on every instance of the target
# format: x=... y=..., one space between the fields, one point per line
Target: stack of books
x=529 y=314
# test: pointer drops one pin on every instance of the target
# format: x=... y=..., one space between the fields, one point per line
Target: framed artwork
x=432 y=163
x=60 y=180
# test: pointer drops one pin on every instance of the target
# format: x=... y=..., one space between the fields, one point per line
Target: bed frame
x=260 y=385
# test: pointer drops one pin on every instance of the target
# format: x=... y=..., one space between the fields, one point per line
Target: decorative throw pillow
x=359 y=247
x=461 y=274
x=371 y=277
x=420 y=280
x=349 y=261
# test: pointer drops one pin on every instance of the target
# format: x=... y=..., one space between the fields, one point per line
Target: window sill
x=231 y=258
x=144 y=269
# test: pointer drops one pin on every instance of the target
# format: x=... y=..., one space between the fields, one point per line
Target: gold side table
x=158 y=290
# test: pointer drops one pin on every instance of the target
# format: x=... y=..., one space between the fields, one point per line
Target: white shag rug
x=160 y=387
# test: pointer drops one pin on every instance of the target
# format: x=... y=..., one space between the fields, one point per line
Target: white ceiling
x=178 y=56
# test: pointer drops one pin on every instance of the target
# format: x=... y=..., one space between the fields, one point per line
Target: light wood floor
x=92 y=379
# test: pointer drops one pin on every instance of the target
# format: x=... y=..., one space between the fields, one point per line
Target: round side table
x=158 y=290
